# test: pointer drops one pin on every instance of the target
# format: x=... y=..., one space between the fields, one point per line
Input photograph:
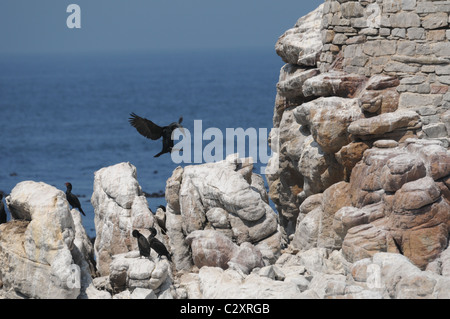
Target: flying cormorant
x=158 y=246
x=73 y=199
x=2 y=210
x=144 y=246
x=152 y=131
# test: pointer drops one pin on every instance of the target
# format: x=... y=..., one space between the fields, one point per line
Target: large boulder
x=328 y=119
x=396 y=277
x=229 y=284
x=44 y=254
x=212 y=248
x=129 y=271
x=392 y=203
x=224 y=196
x=120 y=207
x=412 y=207
x=303 y=43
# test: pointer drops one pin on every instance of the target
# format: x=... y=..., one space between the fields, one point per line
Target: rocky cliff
x=362 y=188
x=363 y=122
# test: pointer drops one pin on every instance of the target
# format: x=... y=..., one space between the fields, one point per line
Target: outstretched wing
x=146 y=127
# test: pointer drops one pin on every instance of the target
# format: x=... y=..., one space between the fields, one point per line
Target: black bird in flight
x=73 y=199
x=152 y=131
x=143 y=245
x=157 y=246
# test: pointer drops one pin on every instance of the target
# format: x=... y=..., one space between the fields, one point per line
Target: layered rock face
x=362 y=113
x=120 y=207
x=218 y=213
x=44 y=249
x=40 y=250
x=362 y=190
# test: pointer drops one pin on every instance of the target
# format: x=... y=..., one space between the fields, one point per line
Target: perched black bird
x=73 y=199
x=152 y=131
x=144 y=246
x=158 y=246
x=2 y=210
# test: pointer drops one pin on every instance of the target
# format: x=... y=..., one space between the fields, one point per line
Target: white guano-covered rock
x=303 y=43
x=131 y=271
x=36 y=251
x=120 y=206
x=224 y=196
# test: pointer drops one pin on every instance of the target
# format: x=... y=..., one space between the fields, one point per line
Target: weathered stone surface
x=352 y=10
x=384 y=101
x=212 y=248
x=349 y=216
x=419 y=60
x=351 y=154
x=405 y=20
x=384 y=123
x=129 y=270
x=36 y=251
x=307 y=231
x=319 y=170
x=393 y=67
x=173 y=185
x=435 y=20
x=435 y=130
x=333 y=84
x=302 y=44
x=385 y=144
x=400 y=170
x=441 y=49
x=381 y=82
x=291 y=86
x=445 y=118
x=398 y=278
x=328 y=119
x=379 y=48
x=414 y=100
x=218 y=217
x=334 y=198
x=178 y=247
x=406 y=47
x=420 y=221
x=366 y=240
x=436 y=157
x=398 y=185
x=118 y=211
x=222 y=192
x=289 y=183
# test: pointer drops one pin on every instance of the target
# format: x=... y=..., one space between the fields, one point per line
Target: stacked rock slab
x=364 y=128
x=218 y=215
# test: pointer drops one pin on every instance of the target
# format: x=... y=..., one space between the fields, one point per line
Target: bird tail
x=81 y=211
x=159 y=154
x=169 y=257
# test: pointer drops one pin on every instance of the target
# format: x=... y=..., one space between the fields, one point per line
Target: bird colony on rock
x=362 y=190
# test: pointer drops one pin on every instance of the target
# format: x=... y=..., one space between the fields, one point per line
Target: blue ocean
x=63 y=117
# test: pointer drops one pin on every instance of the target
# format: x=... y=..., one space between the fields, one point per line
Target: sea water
x=63 y=117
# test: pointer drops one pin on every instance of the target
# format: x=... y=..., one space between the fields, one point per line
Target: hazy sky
x=28 y=26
